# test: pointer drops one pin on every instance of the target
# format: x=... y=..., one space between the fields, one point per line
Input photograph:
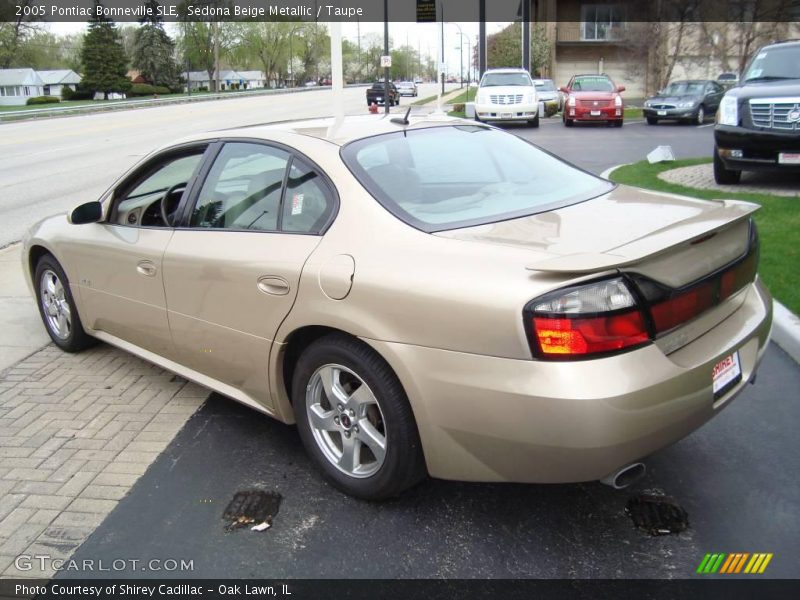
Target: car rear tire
x=535 y=121
x=354 y=419
x=652 y=121
x=700 y=117
x=723 y=175
x=57 y=307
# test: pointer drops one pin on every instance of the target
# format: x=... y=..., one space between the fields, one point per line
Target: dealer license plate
x=505 y=115
x=595 y=113
x=789 y=158
x=726 y=374
x=662 y=113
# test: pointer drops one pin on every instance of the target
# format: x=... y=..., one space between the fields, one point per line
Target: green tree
x=153 y=50
x=264 y=45
x=105 y=65
x=504 y=48
x=15 y=31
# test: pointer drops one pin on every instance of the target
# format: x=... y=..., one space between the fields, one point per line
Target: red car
x=593 y=98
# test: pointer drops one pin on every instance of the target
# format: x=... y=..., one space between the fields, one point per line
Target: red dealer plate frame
x=726 y=374
x=789 y=158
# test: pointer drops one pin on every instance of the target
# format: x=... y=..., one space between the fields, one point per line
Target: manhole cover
x=254 y=507
x=657 y=515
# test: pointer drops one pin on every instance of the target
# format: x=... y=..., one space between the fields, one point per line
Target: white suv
x=507 y=95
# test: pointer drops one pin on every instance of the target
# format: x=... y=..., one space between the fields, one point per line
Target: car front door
x=119 y=261
x=232 y=271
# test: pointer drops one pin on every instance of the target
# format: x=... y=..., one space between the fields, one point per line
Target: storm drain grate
x=657 y=515
x=253 y=507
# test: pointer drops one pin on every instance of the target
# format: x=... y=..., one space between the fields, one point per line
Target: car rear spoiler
x=653 y=244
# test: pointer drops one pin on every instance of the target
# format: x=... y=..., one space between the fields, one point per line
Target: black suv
x=758 y=123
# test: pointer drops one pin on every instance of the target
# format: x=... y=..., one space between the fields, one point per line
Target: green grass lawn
x=778 y=224
x=424 y=100
x=464 y=97
x=633 y=113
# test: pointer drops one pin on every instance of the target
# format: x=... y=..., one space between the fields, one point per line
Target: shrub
x=459 y=107
x=43 y=100
x=145 y=89
x=80 y=93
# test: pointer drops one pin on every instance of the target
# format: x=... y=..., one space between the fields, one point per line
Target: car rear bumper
x=759 y=149
x=506 y=112
x=608 y=113
x=485 y=418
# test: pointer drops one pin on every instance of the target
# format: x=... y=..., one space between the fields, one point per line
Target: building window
x=600 y=22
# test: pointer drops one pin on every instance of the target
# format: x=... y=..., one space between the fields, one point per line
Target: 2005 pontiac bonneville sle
x=434 y=297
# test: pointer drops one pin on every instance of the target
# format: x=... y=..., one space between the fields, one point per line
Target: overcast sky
x=422 y=36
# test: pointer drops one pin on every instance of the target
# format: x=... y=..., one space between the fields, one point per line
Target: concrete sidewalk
x=21 y=330
x=76 y=430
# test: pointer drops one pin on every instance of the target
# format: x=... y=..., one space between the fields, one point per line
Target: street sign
x=426 y=11
x=386 y=61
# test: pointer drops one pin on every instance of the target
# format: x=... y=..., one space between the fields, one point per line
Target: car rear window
x=545 y=86
x=447 y=177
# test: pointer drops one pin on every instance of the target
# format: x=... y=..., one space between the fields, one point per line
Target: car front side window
x=152 y=196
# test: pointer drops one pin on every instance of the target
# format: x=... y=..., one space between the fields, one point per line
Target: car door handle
x=146 y=268
x=275 y=286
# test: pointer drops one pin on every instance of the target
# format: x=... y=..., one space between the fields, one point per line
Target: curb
x=785 y=324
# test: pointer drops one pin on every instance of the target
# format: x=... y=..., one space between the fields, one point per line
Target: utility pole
x=386 y=53
x=216 y=56
x=441 y=66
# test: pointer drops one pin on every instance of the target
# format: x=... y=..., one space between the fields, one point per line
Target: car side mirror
x=564 y=89
x=620 y=88
x=90 y=212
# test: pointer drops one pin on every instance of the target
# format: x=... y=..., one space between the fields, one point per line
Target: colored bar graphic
x=729 y=563
x=734 y=563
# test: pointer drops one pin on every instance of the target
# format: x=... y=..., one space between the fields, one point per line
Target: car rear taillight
x=619 y=314
x=592 y=319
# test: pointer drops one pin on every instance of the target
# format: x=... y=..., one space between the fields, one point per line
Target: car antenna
x=404 y=120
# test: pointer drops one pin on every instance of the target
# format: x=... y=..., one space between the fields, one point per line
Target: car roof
x=347 y=130
x=602 y=75
x=506 y=70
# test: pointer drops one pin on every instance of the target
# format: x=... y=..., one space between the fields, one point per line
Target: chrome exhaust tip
x=624 y=477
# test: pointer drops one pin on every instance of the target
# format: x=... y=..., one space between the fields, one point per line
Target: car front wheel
x=652 y=121
x=534 y=122
x=723 y=175
x=569 y=122
x=57 y=307
x=700 y=117
x=355 y=420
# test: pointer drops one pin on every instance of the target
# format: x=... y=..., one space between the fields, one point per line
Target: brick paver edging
x=76 y=432
x=701 y=177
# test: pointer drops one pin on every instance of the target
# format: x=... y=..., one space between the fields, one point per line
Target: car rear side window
x=447 y=177
x=243 y=189
x=308 y=204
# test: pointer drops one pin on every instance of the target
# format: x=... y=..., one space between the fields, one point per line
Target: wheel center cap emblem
x=794 y=116
x=346 y=422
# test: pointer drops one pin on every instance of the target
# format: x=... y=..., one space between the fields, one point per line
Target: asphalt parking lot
x=735 y=477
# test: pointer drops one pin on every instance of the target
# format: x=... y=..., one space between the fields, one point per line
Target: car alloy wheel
x=346 y=421
x=55 y=307
x=355 y=420
x=701 y=116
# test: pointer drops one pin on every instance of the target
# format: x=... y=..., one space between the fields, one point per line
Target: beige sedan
x=434 y=297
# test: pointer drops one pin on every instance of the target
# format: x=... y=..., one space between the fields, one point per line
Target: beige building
x=592 y=36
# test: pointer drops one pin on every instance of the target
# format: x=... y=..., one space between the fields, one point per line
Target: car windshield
x=545 y=86
x=684 y=88
x=497 y=79
x=779 y=62
x=592 y=84
x=448 y=177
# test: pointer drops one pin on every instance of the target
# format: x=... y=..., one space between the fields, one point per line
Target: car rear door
x=231 y=272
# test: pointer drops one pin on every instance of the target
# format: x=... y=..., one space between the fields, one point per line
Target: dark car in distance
x=758 y=123
x=377 y=91
x=689 y=100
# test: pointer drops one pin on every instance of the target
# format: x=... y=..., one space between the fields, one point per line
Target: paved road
x=50 y=166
